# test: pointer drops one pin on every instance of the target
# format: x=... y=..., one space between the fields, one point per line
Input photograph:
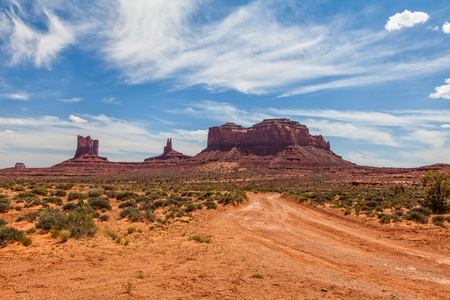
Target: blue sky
x=373 y=77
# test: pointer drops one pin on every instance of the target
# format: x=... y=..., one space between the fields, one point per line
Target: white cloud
x=22 y=96
x=442 y=91
x=110 y=100
x=29 y=44
x=9 y=131
x=373 y=159
x=445 y=125
x=76 y=119
x=406 y=19
x=446 y=28
x=72 y=100
x=434 y=138
x=433 y=28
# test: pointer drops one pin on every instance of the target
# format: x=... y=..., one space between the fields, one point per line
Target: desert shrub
x=348 y=212
x=94 y=193
x=32 y=201
x=103 y=218
x=59 y=193
x=99 y=203
x=2 y=222
x=79 y=224
x=55 y=200
x=416 y=216
x=128 y=203
x=4 y=205
x=17 y=188
x=149 y=216
x=29 y=217
x=210 y=205
x=75 y=196
x=387 y=218
x=131 y=213
x=423 y=210
x=64 y=186
x=64 y=235
x=189 y=207
x=40 y=190
x=258 y=276
x=200 y=238
x=438 y=190
x=49 y=218
x=147 y=206
x=111 y=194
x=10 y=234
x=141 y=198
x=122 y=196
x=25 y=195
x=69 y=206
x=130 y=230
x=438 y=220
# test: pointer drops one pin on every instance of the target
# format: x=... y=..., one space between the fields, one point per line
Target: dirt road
x=269 y=248
x=338 y=255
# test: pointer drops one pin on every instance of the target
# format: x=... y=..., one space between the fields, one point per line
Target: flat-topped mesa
x=86 y=145
x=265 y=138
x=168 y=154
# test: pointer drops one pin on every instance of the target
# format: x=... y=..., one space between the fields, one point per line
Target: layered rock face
x=266 y=138
x=86 y=145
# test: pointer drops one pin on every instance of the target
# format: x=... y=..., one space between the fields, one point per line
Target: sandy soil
x=301 y=252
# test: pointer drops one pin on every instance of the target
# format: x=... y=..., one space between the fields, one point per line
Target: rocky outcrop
x=19 y=165
x=169 y=155
x=86 y=145
x=266 y=138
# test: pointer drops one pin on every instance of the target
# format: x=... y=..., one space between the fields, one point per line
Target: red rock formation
x=86 y=145
x=19 y=165
x=266 y=138
x=168 y=155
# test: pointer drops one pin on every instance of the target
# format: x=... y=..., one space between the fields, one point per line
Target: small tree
x=438 y=185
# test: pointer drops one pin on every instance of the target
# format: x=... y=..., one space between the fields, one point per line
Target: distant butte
x=168 y=154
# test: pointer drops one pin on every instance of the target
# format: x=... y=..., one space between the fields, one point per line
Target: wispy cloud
x=77 y=119
x=22 y=96
x=72 y=100
x=406 y=19
x=27 y=43
x=110 y=100
x=442 y=91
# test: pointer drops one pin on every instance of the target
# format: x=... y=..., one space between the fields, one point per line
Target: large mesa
x=266 y=138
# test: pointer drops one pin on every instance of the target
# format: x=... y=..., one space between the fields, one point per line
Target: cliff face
x=86 y=145
x=265 y=138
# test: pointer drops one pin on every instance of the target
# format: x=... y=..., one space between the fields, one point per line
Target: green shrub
x=54 y=200
x=132 y=213
x=4 y=205
x=128 y=204
x=64 y=186
x=416 y=217
x=387 y=218
x=41 y=191
x=99 y=203
x=94 y=193
x=2 y=222
x=438 y=220
x=122 y=196
x=64 y=235
x=131 y=230
x=259 y=276
x=59 y=193
x=200 y=239
x=69 y=206
x=76 y=196
x=210 y=205
x=78 y=221
x=103 y=218
x=9 y=234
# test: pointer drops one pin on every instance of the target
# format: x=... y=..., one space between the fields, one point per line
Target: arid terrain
x=269 y=247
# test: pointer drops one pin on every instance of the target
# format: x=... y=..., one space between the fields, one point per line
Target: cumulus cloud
x=442 y=91
x=445 y=125
x=406 y=19
x=22 y=96
x=446 y=28
x=77 y=119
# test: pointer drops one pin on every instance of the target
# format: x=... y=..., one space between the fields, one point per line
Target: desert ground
x=269 y=247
